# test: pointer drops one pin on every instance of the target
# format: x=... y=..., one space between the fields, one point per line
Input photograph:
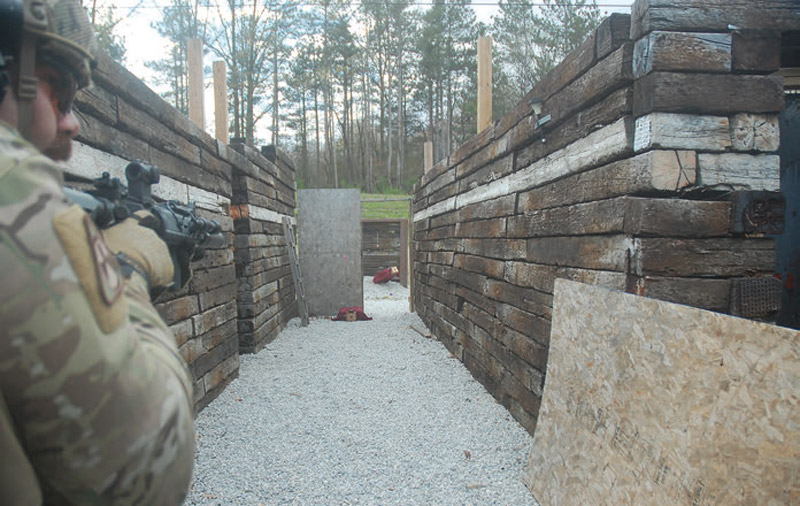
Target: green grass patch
x=376 y=205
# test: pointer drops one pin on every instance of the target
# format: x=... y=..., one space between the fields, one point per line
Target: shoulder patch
x=95 y=265
x=108 y=270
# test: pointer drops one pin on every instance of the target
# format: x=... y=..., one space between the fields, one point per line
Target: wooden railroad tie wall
x=380 y=244
x=263 y=195
x=240 y=295
x=655 y=125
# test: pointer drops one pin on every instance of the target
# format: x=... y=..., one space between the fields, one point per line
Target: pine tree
x=239 y=39
x=448 y=58
x=104 y=22
x=179 y=23
x=280 y=33
x=532 y=40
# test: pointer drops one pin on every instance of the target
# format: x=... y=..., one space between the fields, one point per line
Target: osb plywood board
x=648 y=402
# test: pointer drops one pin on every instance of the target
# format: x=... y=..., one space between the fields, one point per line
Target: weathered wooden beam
x=612 y=33
x=541 y=277
x=531 y=275
x=97 y=102
x=478 y=159
x=598 y=81
x=707 y=93
x=480 y=141
x=594 y=218
x=598 y=148
x=756 y=51
x=485 y=175
x=476 y=299
x=444 y=195
x=574 y=65
x=156 y=134
x=435 y=183
x=629 y=215
x=607 y=252
x=480 y=265
x=527 y=136
x=677 y=218
x=712 y=15
x=704 y=257
x=111 y=140
x=503 y=206
x=503 y=249
x=755 y=132
x=738 y=171
x=682 y=131
x=710 y=294
x=653 y=172
x=444 y=220
x=594 y=85
x=523 y=321
x=482 y=228
x=681 y=51
x=127 y=87
x=524 y=346
x=527 y=299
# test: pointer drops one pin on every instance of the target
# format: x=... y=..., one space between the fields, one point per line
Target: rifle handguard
x=187 y=235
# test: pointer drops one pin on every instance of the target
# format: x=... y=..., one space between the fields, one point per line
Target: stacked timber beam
x=264 y=192
x=655 y=127
x=381 y=244
x=121 y=120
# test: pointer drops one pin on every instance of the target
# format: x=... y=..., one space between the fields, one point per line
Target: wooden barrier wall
x=263 y=194
x=384 y=244
x=240 y=295
x=657 y=124
x=380 y=245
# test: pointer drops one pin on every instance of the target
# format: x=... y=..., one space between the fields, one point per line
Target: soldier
x=95 y=401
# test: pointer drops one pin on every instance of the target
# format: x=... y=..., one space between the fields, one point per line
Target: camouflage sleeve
x=93 y=388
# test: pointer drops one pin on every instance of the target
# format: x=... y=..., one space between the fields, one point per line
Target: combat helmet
x=55 y=31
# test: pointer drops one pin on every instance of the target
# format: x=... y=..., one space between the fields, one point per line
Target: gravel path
x=358 y=413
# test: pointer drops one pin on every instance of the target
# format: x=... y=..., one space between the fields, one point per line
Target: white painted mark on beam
x=596 y=148
x=264 y=214
x=438 y=208
x=88 y=162
x=641 y=136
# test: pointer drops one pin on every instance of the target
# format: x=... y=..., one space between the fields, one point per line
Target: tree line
x=353 y=89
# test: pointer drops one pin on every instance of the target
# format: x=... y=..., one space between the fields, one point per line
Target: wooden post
x=194 y=48
x=410 y=253
x=220 y=101
x=428 y=156
x=484 y=83
x=404 y=253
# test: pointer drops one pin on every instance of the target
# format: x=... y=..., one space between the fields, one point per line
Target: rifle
x=186 y=234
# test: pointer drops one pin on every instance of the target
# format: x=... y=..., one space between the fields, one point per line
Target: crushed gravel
x=358 y=413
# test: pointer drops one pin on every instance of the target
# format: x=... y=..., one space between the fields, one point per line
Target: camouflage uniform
x=95 y=401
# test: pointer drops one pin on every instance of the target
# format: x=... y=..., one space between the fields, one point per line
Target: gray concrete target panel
x=329 y=242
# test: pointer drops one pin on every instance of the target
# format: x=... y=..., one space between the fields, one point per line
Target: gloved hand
x=142 y=249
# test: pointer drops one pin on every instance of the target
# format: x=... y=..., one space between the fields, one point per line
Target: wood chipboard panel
x=648 y=402
x=329 y=242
